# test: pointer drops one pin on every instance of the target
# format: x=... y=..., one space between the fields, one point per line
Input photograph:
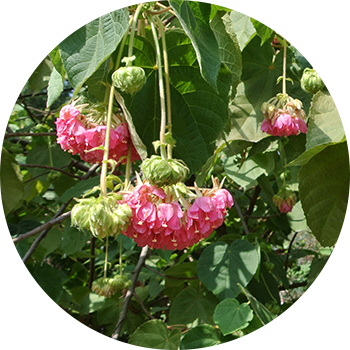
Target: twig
x=130 y=292
x=240 y=214
x=51 y=168
x=30 y=251
x=289 y=250
x=17 y=134
x=166 y=276
x=260 y=217
x=142 y=305
x=54 y=221
x=92 y=261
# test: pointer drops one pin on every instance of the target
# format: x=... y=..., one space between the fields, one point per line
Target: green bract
x=129 y=79
x=102 y=216
x=162 y=172
x=334 y=27
x=311 y=82
x=109 y=286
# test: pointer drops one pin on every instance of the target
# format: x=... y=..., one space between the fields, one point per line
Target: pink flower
x=285 y=200
x=284 y=116
x=77 y=136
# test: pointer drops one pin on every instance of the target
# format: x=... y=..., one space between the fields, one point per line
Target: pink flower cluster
x=285 y=200
x=284 y=125
x=161 y=223
x=76 y=135
x=284 y=116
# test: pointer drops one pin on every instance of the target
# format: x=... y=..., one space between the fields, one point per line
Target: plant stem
x=161 y=88
x=103 y=182
x=120 y=257
x=313 y=56
x=106 y=260
x=284 y=88
x=128 y=168
x=167 y=81
x=133 y=27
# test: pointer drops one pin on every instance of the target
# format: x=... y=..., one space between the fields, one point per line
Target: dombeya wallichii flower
x=79 y=134
x=311 y=82
x=284 y=116
x=285 y=200
x=160 y=172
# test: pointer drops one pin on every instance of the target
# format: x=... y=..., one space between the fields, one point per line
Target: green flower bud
x=129 y=79
x=109 y=286
x=334 y=27
x=311 y=82
x=162 y=172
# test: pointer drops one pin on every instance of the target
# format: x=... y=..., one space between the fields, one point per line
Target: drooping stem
x=161 y=88
x=106 y=260
x=133 y=27
x=120 y=257
x=103 y=181
x=284 y=88
x=313 y=56
x=167 y=81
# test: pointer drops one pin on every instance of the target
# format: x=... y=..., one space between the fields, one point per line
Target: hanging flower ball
x=284 y=116
x=162 y=219
x=311 y=82
x=81 y=135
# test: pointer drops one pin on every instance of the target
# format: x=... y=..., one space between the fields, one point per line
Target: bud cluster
x=109 y=286
x=311 y=82
x=284 y=116
x=160 y=172
x=102 y=216
x=79 y=134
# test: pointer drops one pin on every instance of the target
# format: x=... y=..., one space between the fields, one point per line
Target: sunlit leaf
x=194 y=18
x=87 y=33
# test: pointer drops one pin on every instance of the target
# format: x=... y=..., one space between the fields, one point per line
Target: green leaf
x=229 y=51
x=55 y=87
x=154 y=334
x=194 y=103
x=79 y=189
x=301 y=38
x=273 y=324
x=137 y=142
x=50 y=13
x=232 y=316
x=194 y=18
x=44 y=335
x=11 y=182
x=40 y=77
x=324 y=189
x=221 y=267
x=200 y=337
x=296 y=218
x=252 y=168
x=295 y=13
x=12 y=52
x=73 y=240
x=13 y=330
x=319 y=270
x=49 y=279
x=192 y=307
x=265 y=18
x=243 y=27
x=87 y=48
x=324 y=125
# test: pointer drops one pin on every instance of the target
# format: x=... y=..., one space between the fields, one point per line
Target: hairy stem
x=284 y=88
